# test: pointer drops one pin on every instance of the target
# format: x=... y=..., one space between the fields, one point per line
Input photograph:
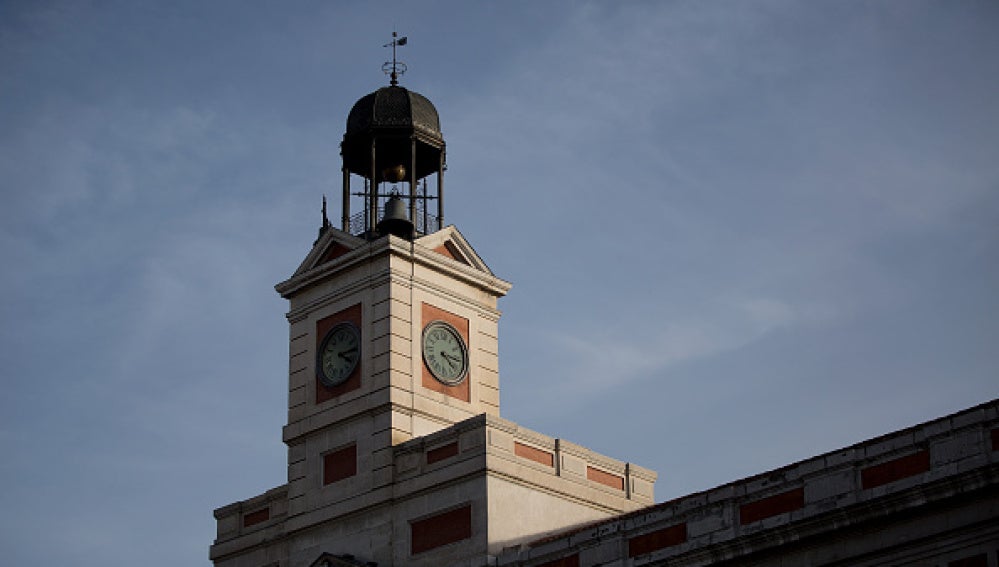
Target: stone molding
x=366 y=251
x=451 y=233
x=964 y=466
x=233 y=536
x=500 y=436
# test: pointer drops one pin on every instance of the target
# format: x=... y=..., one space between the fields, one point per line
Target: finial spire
x=395 y=68
x=326 y=221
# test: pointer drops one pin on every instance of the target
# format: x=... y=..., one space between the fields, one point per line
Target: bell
x=394 y=173
x=395 y=221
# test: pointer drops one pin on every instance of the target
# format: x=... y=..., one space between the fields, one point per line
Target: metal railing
x=425 y=223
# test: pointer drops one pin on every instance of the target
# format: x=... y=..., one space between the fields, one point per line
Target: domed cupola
x=393 y=137
x=394 y=107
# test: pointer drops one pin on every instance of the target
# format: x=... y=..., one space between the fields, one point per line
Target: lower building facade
x=927 y=495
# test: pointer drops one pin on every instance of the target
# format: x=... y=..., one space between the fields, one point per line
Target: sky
x=740 y=234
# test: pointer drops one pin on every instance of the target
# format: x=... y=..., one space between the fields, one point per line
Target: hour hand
x=450 y=359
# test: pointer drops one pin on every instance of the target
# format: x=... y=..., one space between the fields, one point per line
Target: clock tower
x=397 y=454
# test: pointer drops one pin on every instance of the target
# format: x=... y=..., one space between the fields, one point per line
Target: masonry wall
x=452 y=497
x=927 y=495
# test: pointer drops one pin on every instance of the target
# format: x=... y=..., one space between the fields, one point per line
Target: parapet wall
x=945 y=464
x=521 y=452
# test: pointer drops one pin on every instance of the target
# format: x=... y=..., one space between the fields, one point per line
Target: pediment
x=331 y=245
x=450 y=243
x=446 y=246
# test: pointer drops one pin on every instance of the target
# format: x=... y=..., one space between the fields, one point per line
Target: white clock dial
x=445 y=353
x=339 y=354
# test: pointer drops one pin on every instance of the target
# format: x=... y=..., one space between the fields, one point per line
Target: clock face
x=445 y=353
x=338 y=354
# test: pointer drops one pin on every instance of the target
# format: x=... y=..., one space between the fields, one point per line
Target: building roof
x=393 y=107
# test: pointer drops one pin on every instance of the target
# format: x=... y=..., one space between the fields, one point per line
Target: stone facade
x=391 y=466
x=927 y=495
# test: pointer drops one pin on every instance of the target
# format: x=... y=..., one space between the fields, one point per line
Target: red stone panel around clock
x=461 y=391
x=353 y=315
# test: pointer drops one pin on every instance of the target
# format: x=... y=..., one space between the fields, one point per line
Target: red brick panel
x=895 y=469
x=451 y=251
x=980 y=560
x=605 y=478
x=666 y=537
x=257 y=517
x=441 y=453
x=340 y=464
x=772 y=506
x=533 y=454
x=460 y=391
x=324 y=392
x=571 y=561
x=442 y=529
x=334 y=251
x=995 y=439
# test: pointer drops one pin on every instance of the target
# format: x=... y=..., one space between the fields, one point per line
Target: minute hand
x=450 y=359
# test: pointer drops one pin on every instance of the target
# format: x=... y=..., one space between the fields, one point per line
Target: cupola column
x=440 y=192
x=412 y=183
x=345 y=216
x=372 y=209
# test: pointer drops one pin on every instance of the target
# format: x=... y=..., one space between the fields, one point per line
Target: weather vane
x=394 y=68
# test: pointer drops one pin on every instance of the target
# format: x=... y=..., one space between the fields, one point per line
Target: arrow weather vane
x=395 y=68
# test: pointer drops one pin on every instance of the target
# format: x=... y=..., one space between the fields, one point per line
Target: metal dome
x=391 y=108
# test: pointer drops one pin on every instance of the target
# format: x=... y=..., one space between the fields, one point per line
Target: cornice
x=303 y=278
x=398 y=247
x=469 y=274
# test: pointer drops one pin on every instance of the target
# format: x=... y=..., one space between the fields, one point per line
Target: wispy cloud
x=618 y=354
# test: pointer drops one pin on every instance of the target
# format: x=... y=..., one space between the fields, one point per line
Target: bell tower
x=396 y=450
x=393 y=317
x=393 y=136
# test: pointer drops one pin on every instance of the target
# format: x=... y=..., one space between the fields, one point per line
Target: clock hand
x=450 y=359
x=344 y=356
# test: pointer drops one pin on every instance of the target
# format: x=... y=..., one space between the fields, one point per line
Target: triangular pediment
x=446 y=248
x=331 y=245
x=450 y=243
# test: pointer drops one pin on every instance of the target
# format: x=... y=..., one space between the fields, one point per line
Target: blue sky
x=739 y=233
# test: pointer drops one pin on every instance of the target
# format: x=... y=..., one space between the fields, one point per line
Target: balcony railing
x=425 y=223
